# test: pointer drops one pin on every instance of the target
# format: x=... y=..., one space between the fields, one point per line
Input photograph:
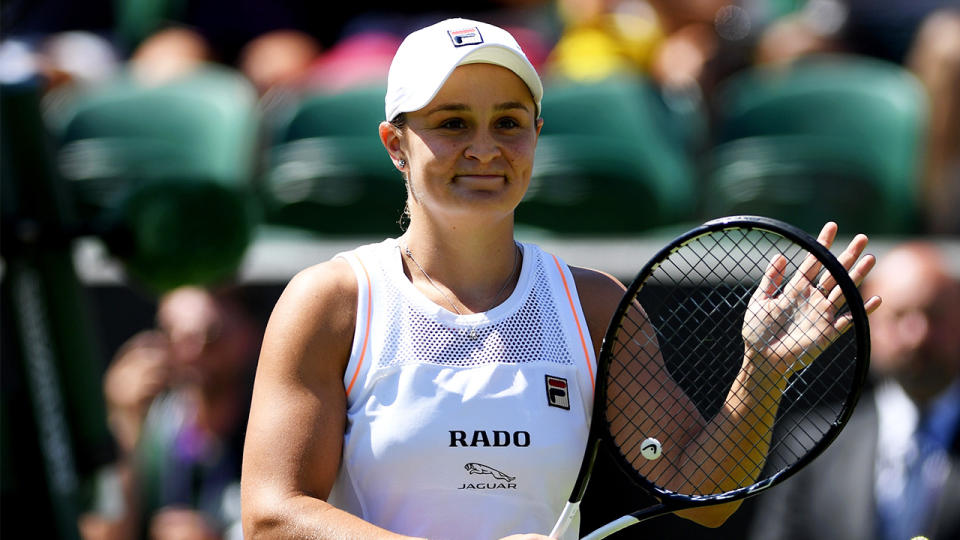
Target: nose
x=482 y=147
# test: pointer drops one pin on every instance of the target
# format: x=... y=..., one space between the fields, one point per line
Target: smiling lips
x=480 y=180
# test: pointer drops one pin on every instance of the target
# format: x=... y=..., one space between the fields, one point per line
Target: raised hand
x=789 y=323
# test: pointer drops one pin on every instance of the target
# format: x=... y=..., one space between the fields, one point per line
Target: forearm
x=304 y=516
x=731 y=450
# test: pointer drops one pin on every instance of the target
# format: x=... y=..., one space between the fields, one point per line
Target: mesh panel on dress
x=533 y=333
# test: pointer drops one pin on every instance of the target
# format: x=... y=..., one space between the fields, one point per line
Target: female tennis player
x=440 y=384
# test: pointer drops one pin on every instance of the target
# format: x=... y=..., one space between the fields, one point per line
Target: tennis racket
x=735 y=357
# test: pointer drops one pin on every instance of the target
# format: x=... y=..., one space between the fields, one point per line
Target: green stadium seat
x=327 y=171
x=609 y=161
x=780 y=176
x=865 y=111
x=135 y=20
x=165 y=173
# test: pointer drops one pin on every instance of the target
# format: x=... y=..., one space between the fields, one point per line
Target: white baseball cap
x=427 y=57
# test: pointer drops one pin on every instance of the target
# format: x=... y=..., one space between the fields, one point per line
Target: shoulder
x=600 y=294
x=315 y=315
x=319 y=288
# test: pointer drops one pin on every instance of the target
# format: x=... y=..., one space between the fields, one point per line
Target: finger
x=853 y=252
x=857 y=274
x=810 y=267
x=847 y=259
x=863 y=267
x=843 y=322
x=827 y=234
x=773 y=275
x=836 y=296
x=872 y=304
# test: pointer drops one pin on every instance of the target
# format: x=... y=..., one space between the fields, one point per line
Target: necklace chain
x=516 y=264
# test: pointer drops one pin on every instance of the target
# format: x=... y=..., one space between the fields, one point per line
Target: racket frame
x=670 y=501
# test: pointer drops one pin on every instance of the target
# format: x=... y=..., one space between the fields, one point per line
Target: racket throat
x=570 y=511
x=628 y=520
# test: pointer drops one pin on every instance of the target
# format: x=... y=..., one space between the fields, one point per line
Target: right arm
x=298 y=412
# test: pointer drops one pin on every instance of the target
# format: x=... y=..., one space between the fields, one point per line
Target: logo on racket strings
x=557 y=394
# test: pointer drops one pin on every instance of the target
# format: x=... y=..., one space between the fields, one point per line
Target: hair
x=400 y=122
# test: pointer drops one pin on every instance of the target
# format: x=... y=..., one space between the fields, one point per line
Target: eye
x=508 y=122
x=453 y=123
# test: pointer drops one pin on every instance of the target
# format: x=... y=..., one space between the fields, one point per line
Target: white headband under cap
x=427 y=57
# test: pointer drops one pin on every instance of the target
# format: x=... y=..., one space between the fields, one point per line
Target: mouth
x=480 y=181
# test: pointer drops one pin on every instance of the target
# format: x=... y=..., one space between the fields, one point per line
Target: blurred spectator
x=935 y=59
x=62 y=61
x=140 y=372
x=813 y=28
x=922 y=35
x=603 y=38
x=177 y=401
x=78 y=57
x=169 y=54
x=356 y=60
x=280 y=58
x=684 y=47
x=894 y=472
x=672 y=41
x=369 y=38
x=275 y=58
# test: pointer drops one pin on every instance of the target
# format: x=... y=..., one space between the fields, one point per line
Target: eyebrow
x=507 y=105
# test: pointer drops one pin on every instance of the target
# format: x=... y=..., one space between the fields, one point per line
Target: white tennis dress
x=464 y=426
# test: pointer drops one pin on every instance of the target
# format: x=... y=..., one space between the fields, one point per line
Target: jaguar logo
x=477 y=468
x=501 y=480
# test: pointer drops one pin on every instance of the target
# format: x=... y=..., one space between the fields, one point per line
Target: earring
x=402 y=163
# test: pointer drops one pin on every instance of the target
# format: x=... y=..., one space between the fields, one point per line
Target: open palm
x=789 y=323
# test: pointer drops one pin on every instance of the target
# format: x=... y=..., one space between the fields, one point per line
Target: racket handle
x=569 y=512
x=611 y=528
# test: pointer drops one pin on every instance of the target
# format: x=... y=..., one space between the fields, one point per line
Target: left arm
x=600 y=295
x=742 y=430
x=782 y=333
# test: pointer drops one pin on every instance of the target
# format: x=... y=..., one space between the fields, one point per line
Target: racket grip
x=569 y=512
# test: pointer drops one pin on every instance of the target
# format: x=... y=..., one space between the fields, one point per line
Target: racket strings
x=695 y=314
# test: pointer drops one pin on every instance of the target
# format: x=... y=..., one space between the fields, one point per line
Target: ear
x=391 y=138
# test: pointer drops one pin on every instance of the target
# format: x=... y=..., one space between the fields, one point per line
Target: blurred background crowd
x=181 y=132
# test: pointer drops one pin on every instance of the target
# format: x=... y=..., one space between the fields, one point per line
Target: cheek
x=521 y=155
x=435 y=155
x=885 y=339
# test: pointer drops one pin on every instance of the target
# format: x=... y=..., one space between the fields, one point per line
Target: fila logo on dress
x=557 y=394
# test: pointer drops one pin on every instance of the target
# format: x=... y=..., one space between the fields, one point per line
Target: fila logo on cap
x=469 y=36
x=557 y=395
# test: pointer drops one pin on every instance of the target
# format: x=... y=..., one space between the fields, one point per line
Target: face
x=203 y=343
x=916 y=332
x=469 y=152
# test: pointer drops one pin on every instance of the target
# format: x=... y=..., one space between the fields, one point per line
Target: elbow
x=267 y=513
x=260 y=523
x=262 y=514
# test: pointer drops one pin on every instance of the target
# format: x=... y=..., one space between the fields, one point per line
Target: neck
x=474 y=269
